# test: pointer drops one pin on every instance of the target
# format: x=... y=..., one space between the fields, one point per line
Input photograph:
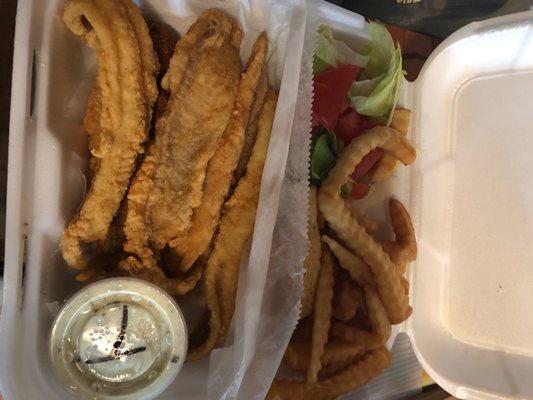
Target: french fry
x=355 y=236
x=350 y=378
x=386 y=165
x=322 y=314
x=312 y=261
x=381 y=327
x=370 y=225
x=358 y=270
x=403 y=249
x=347 y=300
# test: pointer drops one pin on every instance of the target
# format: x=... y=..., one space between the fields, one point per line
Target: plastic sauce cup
x=119 y=338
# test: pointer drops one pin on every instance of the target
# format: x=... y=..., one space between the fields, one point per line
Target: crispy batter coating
x=204 y=72
x=222 y=165
x=126 y=80
x=236 y=227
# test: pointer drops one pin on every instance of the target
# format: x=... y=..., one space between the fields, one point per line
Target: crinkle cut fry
x=163 y=194
x=337 y=213
x=224 y=161
x=312 y=260
x=387 y=163
x=236 y=227
x=126 y=118
x=347 y=299
x=403 y=249
x=381 y=327
x=297 y=355
x=352 y=377
x=238 y=216
x=322 y=314
x=358 y=270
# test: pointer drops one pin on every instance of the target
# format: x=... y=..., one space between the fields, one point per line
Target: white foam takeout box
x=469 y=194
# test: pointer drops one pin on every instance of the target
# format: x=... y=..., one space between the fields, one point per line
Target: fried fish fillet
x=236 y=227
x=221 y=167
x=127 y=90
x=202 y=79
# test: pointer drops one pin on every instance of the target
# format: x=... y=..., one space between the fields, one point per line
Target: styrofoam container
x=469 y=194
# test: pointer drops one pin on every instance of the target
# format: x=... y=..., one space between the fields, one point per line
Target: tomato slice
x=330 y=94
x=366 y=163
x=368 y=123
x=348 y=126
x=360 y=190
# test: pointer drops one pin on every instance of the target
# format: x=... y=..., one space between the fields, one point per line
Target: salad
x=353 y=92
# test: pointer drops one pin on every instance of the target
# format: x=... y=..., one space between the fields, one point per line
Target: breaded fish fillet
x=203 y=77
x=220 y=169
x=126 y=80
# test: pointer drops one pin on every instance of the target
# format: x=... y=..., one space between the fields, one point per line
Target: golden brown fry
x=351 y=378
x=381 y=327
x=403 y=249
x=322 y=314
x=238 y=216
x=298 y=354
x=312 y=260
x=370 y=225
x=347 y=300
x=386 y=164
x=91 y=124
x=204 y=72
x=355 y=236
x=336 y=367
x=224 y=161
x=358 y=270
x=126 y=80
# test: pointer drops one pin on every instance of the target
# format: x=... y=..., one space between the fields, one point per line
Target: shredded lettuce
x=376 y=94
x=346 y=189
x=332 y=52
x=325 y=149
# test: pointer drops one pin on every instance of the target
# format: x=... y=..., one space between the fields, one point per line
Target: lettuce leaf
x=332 y=52
x=325 y=149
x=376 y=94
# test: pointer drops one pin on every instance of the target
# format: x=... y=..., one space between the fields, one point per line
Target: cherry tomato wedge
x=366 y=164
x=360 y=190
x=368 y=123
x=348 y=126
x=330 y=94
